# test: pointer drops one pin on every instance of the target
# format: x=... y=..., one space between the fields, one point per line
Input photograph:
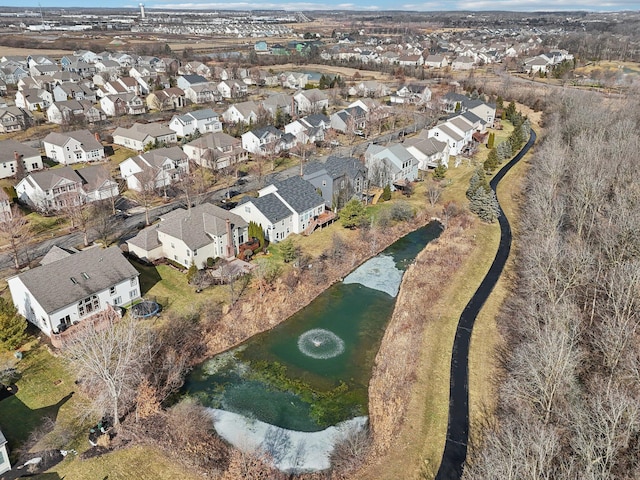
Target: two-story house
x=73 y=147
x=393 y=165
x=339 y=179
x=72 y=287
x=122 y=104
x=216 y=151
x=160 y=167
x=190 y=237
x=204 y=121
x=12 y=152
x=140 y=135
x=14 y=119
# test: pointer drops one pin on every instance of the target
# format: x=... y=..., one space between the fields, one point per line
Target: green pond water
x=313 y=370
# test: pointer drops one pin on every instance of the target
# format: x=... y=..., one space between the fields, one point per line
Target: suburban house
x=122 y=104
x=309 y=129
x=282 y=208
x=191 y=236
x=73 y=111
x=196 y=68
x=463 y=62
x=186 y=81
x=463 y=126
x=244 y=112
x=457 y=103
x=266 y=140
x=59 y=188
x=216 y=151
x=393 y=165
x=444 y=133
x=201 y=93
x=5 y=464
x=232 y=89
x=204 y=121
x=86 y=283
x=14 y=119
x=412 y=93
x=155 y=169
x=12 y=152
x=429 y=151
x=295 y=80
x=349 y=120
x=73 y=147
x=278 y=102
x=73 y=91
x=310 y=101
x=167 y=99
x=338 y=179
x=370 y=88
x=436 y=61
x=139 y=135
x=33 y=99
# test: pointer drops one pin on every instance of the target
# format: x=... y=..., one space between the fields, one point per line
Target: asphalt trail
x=455 y=449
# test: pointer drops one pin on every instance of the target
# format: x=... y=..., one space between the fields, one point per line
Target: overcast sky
x=366 y=5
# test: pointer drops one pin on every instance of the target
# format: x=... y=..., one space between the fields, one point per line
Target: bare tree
x=16 y=233
x=109 y=357
x=147 y=190
x=434 y=192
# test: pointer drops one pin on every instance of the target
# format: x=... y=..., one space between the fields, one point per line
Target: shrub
x=401 y=212
x=386 y=193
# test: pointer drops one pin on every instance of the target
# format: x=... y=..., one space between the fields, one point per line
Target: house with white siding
x=429 y=151
x=244 y=112
x=204 y=121
x=12 y=152
x=282 y=208
x=216 y=151
x=73 y=147
x=393 y=165
x=190 y=237
x=139 y=135
x=122 y=104
x=163 y=165
x=69 y=288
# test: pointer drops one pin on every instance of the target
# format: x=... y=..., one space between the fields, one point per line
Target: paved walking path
x=455 y=449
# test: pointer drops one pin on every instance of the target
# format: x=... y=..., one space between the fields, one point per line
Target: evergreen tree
x=12 y=326
x=478 y=180
x=484 y=204
x=458 y=107
x=354 y=214
x=491 y=163
x=288 y=250
x=510 y=111
x=192 y=273
x=440 y=171
x=504 y=151
x=255 y=231
x=499 y=103
x=491 y=140
x=386 y=193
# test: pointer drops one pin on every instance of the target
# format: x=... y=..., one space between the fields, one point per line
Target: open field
x=24 y=52
x=346 y=72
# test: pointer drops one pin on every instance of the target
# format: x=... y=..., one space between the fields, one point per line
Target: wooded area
x=569 y=397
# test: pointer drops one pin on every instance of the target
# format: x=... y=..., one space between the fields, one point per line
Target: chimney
x=97 y=135
x=230 y=250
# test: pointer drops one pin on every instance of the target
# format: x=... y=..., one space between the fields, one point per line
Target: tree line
x=569 y=396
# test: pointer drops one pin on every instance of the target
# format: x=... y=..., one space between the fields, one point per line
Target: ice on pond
x=289 y=450
x=380 y=273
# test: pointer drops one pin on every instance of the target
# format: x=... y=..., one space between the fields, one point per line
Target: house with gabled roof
x=57 y=188
x=167 y=99
x=436 y=61
x=463 y=62
x=232 y=89
x=14 y=119
x=282 y=208
x=263 y=141
x=186 y=81
x=412 y=93
x=191 y=236
x=244 y=112
x=393 y=165
x=122 y=104
x=162 y=165
x=278 y=102
x=309 y=129
x=34 y=99
x=86 y=283
x=73 y=147
x=429 y=151
x=139 y=135
x=349 y=119
x=339 y=179
x=310 y=101
x=202 y=93
x=216 y=150
x=12 y=152
x=204 y=121
x=73 y=91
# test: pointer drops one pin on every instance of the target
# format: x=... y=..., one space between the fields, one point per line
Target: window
x=78 y=155
x=34 y=166
x=117 y=300
x=112 y=291
x=133 y=293
x=88 y=305
x=134 y=282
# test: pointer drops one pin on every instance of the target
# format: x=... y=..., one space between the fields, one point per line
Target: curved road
x=455 y=449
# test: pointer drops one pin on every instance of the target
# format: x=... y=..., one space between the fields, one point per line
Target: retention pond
x=295 y=390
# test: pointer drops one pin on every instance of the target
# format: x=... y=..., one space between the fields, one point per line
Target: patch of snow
x=379 y=273
x=289 y=450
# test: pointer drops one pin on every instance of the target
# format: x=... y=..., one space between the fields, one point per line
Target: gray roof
x=336 y=167
x=460 y=123
x=472 y=117
x=198 y=226
x=47 y=179
x=194 y=79
x=94 y=176
x=7 y=147
x=448 y=131
x=270 y=206
x=203 y=114
x=147 y=238
x=140 y=131
x=78 y=276
x=56 y=253
x=85 y=137
x=299 y=194
x=428 y=146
